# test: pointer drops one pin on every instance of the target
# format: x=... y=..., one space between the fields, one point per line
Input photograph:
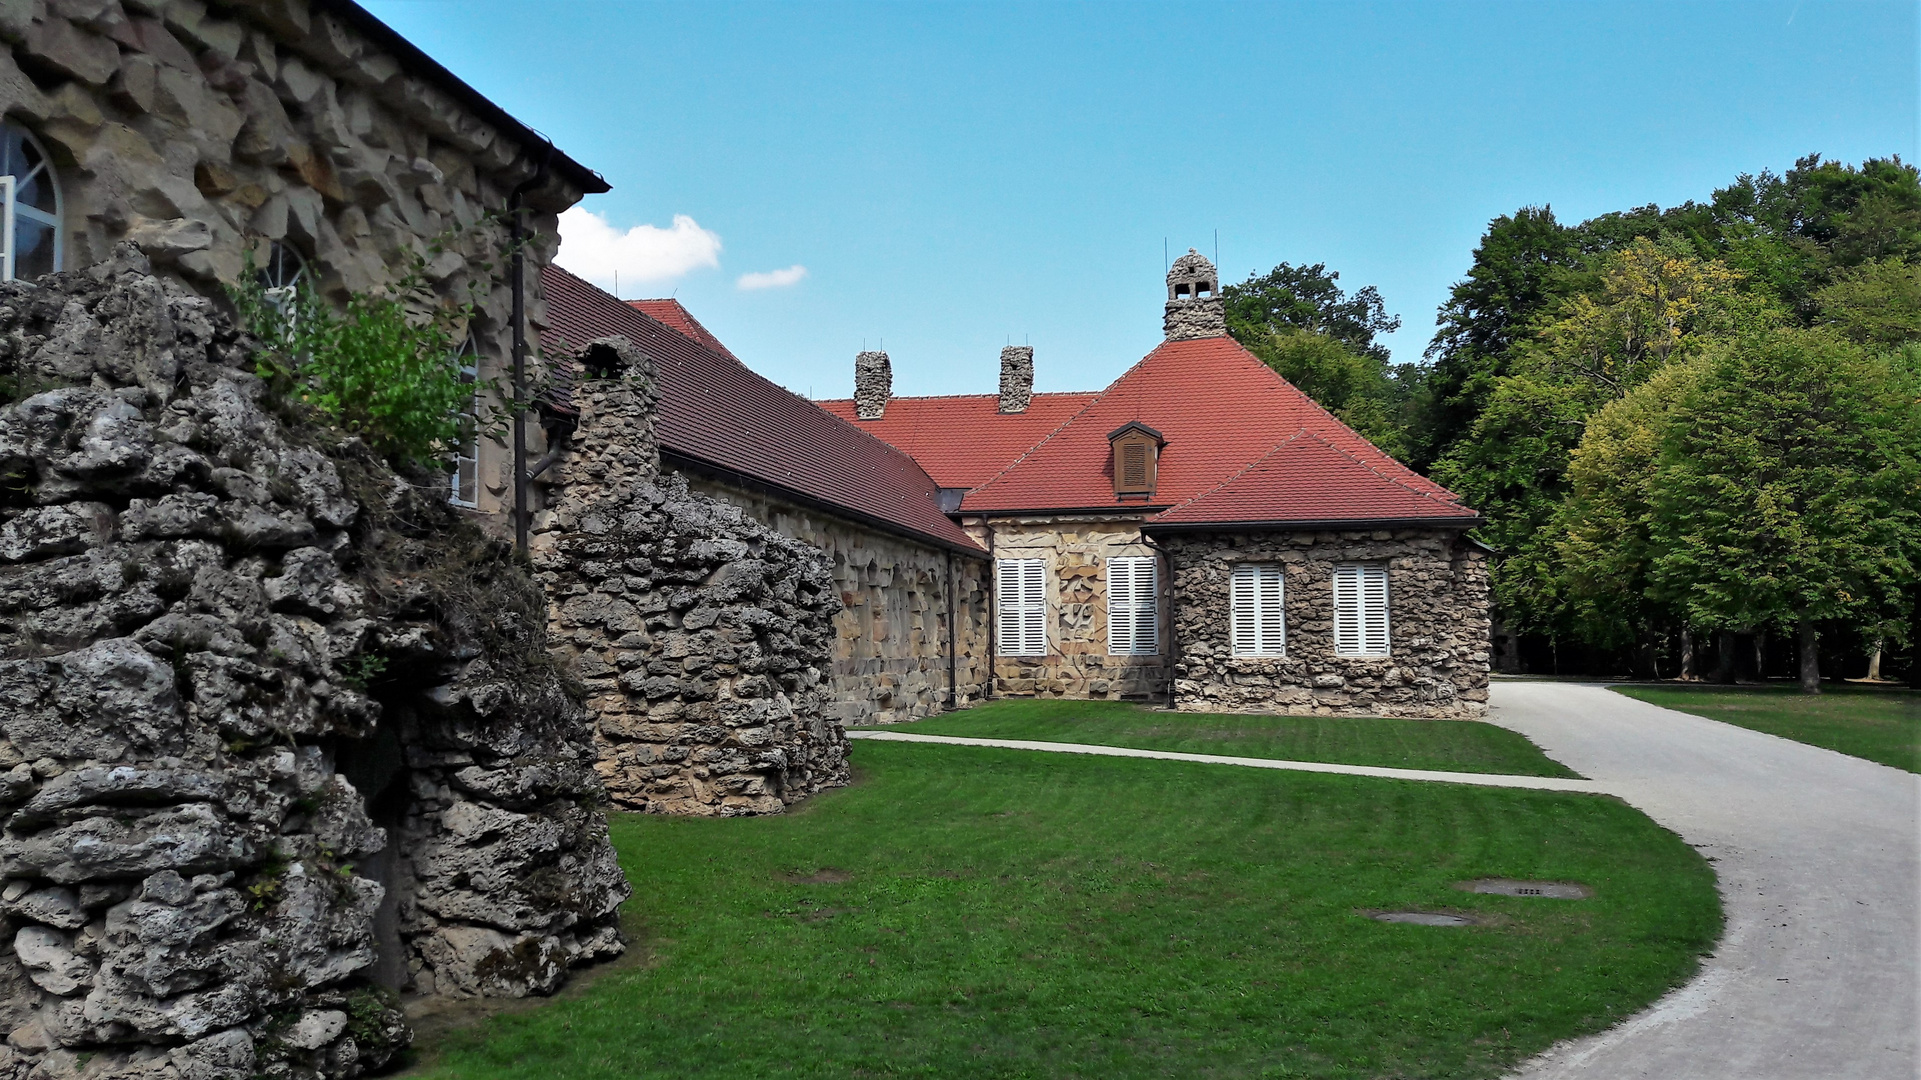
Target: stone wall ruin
x=703 y=636
x=280 y=734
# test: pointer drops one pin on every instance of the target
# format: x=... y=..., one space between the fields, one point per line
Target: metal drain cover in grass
x=1420 y=918
x=1552 y=890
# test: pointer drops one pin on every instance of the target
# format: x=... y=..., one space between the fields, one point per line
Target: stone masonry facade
x=1077 y=664
x=704 y=637
x=278 y=731
x=890 y=659
x=204 y=131
x=1437 y=602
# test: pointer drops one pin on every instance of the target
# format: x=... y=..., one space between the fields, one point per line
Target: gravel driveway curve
x=1819 y=857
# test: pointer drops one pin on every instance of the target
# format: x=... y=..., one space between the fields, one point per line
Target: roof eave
x=410 y=56
x=1323 y=524
x=682 y=460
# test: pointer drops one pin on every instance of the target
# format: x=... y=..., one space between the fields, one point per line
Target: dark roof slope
x=963 y=440
x=715 y=411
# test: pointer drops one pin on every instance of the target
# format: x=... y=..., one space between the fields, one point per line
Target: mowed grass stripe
x=1446 y=745
x=1014 y=914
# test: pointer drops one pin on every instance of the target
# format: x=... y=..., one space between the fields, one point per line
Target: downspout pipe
x=993 y=623
x=516 y=239
x=953 y=661
x=1171 y=637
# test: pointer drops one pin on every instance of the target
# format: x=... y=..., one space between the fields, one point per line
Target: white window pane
x=1133 y=606
x=1257 y=601
x=1020 y=626
x=1360 y=611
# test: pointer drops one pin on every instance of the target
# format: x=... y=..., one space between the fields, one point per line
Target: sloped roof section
x=1305 y=478
x=963 y=440
x=1219 y=408
x=669 y=313
x=716 y=411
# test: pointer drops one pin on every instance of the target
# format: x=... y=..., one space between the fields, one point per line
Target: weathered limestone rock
x=1437 y=617
x=1017 y=378
x=873 y=384
x=702 y=635
x=276 y=724
x=1195 y=308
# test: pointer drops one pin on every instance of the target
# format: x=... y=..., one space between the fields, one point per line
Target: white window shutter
x=1021 y=588
x=1133 y=606
x=1360 y=611
x=1257 y=597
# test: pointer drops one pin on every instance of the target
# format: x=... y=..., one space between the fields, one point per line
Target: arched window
x=284 y=272
x=465 y=481
x=30 y=231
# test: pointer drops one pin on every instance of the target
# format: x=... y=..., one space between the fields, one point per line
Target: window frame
x=1365 y=628
x=1126 y=618
x=1247 y=591
x=1020 y=620
x=13 y=212
x=467 y=452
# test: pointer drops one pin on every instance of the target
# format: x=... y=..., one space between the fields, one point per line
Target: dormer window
x=1136 y=460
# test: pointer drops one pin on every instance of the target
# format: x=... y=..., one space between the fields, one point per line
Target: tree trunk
x=1724 y=657
x=1760 y=656
x=1810 y=658
x=1687 y=655
x=1874 y=661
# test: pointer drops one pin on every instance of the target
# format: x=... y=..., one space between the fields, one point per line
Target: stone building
x=305 y=133
x=1201 y=532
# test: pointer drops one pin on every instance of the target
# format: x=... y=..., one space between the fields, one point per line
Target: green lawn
x=1881 y=725
x=1452 y=745
x=973 y=912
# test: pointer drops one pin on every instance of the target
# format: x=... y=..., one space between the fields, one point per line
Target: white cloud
x=645 y=253
x=771 y=279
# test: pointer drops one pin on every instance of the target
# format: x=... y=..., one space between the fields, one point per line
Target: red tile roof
x=717 y=412
x=1220 y=410
x=1307 y=478
x=670 y=314
x=963 y=440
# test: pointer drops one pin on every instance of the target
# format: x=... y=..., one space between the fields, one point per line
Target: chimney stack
x=1194 y=305
x=1017 y=378
x=873 y=384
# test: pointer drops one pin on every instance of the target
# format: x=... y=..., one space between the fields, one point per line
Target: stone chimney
x=873 y=384
x=1194 y=305
x=1017 y=377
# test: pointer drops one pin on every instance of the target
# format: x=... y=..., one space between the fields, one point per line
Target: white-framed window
x=31 y=236
x=1257 y=595
x=1020 y=593
x=465 y=478
x=282 y=274
x=1133 y=606
x=1360 y=611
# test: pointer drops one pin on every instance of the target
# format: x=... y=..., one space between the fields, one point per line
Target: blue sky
x=955 y=176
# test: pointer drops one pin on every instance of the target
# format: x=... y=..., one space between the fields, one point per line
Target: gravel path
x=1817 y=854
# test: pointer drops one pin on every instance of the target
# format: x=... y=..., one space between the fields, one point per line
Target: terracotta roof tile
x=715 y=410
x=1219 y=409
x=1307 y=478
x=963 y=440
x=670 y=314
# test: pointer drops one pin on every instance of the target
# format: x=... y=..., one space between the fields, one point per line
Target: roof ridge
x=950 y=397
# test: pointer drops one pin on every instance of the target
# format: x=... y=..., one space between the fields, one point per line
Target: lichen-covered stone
x=259 y=699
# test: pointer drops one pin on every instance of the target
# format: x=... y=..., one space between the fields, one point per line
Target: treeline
x=1693 y=431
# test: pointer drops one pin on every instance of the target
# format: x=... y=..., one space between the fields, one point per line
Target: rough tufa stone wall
x=1437 y=620
x=890 y=638
x=218 y=645
x=1189 y=315
x=703 y=636
x=1076 y=551
x=1017 y=378
x=873 y=384
x=199 y=131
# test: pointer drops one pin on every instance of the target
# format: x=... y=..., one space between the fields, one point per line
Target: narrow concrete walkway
x=1819 y=860
x=1537 y=783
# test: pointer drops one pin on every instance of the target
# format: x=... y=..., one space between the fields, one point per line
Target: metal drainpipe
x=516 y=234
x=992 y=590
